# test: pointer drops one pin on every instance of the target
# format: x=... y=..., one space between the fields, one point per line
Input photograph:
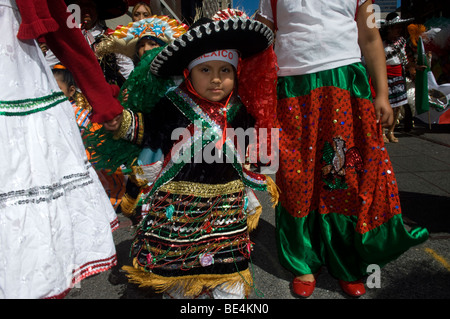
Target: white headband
x=230 y=56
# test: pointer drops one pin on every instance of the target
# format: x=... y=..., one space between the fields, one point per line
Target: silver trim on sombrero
x=397 y=20
x=214 y=26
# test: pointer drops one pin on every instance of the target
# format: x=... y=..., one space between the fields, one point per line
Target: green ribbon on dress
x=353 y=78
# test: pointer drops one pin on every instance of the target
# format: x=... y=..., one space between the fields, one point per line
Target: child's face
x=213 y=80
x=395 y=32
x=68 y=91
x=145 y=45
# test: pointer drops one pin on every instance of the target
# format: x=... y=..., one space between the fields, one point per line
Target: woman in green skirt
x=339 y=205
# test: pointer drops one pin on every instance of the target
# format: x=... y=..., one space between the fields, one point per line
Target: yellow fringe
x=137 y=170
x=273 y=190
x=128 y=205
x=81 y=101
x=253 y=220
x=192 y=285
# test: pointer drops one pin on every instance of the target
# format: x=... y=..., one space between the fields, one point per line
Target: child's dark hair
x=65 y=74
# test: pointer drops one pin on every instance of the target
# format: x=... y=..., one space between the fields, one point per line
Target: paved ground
x=422 y=166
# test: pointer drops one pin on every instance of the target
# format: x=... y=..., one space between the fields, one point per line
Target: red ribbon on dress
x=394 y=70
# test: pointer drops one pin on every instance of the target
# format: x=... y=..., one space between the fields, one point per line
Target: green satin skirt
x=306 y=244
x=339 y=205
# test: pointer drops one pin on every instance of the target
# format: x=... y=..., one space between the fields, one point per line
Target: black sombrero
x=394 y=19
x=247 y=36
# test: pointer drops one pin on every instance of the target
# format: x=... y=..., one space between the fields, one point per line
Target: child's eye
x=226 y=70
x=204 y=69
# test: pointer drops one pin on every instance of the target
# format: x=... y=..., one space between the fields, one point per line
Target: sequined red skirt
x=333 y=158
x=338 y=190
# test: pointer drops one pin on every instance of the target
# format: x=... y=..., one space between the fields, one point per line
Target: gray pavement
x=421 y=162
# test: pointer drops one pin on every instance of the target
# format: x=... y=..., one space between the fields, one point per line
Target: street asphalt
x=421 y=163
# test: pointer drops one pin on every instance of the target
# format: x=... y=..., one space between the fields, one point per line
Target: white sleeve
x=126 y=65
x=361 y=2
x=265 y=10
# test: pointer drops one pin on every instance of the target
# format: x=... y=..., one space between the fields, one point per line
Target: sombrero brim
x=395 y=21
x=244 y=35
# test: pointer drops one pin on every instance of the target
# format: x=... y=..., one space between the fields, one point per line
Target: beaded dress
x=195 y=232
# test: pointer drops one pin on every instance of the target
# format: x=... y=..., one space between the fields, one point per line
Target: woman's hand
x=114 y=124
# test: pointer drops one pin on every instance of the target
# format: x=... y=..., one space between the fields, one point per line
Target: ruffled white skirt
x=56 y=220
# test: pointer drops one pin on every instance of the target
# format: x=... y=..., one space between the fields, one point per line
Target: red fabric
x=36 y=19
x=360 y=184
x=39 y=18
x=372 y=90
x=394 y=70
x=258 y=91
x=115 y=90
x=445 y=117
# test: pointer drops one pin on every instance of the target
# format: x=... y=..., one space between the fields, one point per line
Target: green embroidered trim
x=170 y=172
x=33 y=105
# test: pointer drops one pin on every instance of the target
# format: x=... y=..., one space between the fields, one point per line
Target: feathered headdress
x=124 y=39
x=415 y=31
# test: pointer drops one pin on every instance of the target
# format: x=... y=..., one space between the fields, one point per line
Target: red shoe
x=303 y=288
x=353 y=288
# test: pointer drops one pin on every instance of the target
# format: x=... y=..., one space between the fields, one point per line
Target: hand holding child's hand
x=114 y=124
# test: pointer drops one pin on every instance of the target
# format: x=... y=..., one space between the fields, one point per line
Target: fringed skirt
x=339 y=203
x=195 y=237
x=56 y=221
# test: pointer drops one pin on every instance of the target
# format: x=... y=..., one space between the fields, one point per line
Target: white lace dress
x=56 y=220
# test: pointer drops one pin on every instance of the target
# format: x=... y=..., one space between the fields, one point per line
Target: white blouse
x=314 y=35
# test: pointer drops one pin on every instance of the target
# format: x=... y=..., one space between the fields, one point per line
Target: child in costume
x=56 y=221
x=67 y=84
x=339 y=204
x=397 y=64
x=194 y=239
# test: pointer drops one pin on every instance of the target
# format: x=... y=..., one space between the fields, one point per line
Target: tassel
x=137 y=170
x=273 y=190
x=191 y=285
x=128 y=205
x=253 y=219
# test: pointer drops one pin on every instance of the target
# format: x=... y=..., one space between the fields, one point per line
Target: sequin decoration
x=206 y=259
x=169 y=211
x=339 y=162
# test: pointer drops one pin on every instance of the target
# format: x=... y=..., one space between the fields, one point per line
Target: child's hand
x=384 y=112
x=114 y=124
x=125 y=95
